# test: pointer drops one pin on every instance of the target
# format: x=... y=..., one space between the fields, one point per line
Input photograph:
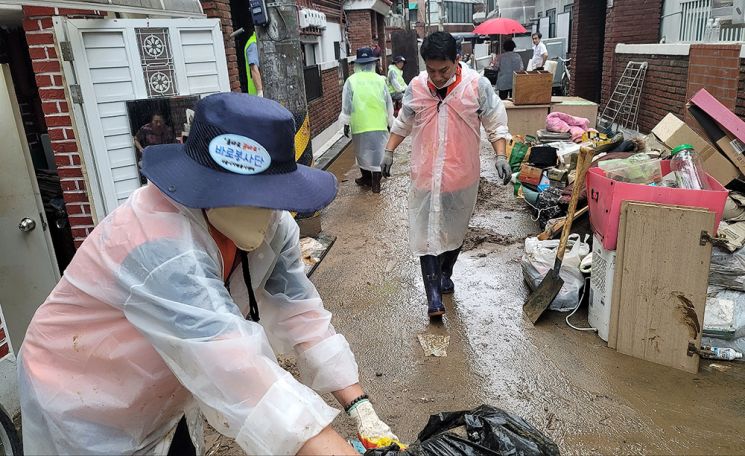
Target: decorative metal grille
x=157 y=61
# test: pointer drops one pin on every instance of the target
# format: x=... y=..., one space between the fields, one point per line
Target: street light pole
x=282 y=68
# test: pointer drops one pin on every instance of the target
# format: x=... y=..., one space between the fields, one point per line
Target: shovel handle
x=583 y=163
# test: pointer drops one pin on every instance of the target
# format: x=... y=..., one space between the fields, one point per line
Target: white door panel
x=107 y=66
x=28 y=267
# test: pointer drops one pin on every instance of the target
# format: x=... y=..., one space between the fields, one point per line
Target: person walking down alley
x=443 y=110
x=507 y=64
x=367 y=112
x=396 y=82
x=254 y=84
x=156 y=320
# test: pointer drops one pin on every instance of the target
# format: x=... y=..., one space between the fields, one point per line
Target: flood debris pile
x=654 y=212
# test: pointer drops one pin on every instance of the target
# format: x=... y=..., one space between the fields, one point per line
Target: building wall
x=629 y=22
x=57 y=114
x=220 y=9
x=360 y=27
x=586 y=52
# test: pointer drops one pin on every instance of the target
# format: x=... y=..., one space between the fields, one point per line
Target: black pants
x=505 y=94
x=181 y=444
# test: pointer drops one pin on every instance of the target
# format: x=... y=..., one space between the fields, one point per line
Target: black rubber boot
x=376 y=176
x=447 y=262
x=365 y=180
x=431 y=274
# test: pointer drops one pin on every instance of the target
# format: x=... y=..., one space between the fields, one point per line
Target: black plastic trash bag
x=484 y=431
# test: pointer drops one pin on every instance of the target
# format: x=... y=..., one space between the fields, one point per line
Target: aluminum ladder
x=622 y=109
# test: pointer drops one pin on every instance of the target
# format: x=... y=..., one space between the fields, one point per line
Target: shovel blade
x=539 y=300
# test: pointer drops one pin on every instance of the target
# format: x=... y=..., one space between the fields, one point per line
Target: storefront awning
x=178 y=8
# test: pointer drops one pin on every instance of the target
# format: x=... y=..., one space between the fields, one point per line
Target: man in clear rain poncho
x=157 y=316
x=443 y=110
x=367 y=111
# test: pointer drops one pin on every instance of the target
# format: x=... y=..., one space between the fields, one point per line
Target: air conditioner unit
x=322 y=23
x=728 y=10
x=304 y=18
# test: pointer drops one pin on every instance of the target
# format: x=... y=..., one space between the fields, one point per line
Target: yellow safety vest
x=368 y=105
x=399 y=77
x=250 y=86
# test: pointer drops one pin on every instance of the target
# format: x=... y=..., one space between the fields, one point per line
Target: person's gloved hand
x=503 y=169
x=346 y=131
x=385 y=166
x=372 y=432
x=260 y=93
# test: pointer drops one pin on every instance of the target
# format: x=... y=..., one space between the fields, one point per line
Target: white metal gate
x=106 y=72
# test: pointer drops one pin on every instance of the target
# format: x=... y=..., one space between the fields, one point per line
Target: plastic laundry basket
x=606 y=195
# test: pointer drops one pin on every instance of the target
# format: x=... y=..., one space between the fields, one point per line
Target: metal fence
x=694 y=17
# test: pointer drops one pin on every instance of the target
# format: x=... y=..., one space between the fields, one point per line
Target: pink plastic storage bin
x=606 y=195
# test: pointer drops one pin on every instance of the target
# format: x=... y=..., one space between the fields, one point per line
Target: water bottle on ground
x=725 y=354
x=689 y=172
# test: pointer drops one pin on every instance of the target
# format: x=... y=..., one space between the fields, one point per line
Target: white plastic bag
x=539 y=258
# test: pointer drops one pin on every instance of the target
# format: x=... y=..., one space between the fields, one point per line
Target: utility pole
x=282 y=70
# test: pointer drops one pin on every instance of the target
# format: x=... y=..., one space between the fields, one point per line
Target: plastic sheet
x=484 y=431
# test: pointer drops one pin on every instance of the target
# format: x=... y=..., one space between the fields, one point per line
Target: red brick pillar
x=588 y=28
x=360 y=28
x=220 y=9
x=628 y=22
x=48 y=73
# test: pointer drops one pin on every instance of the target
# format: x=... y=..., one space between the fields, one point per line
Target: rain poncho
x=142 y=329
x=368 y=145
x=445 y=165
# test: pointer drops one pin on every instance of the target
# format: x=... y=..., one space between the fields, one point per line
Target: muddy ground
x=587 y=397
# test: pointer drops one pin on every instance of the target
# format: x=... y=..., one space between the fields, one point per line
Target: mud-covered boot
x=447 y=262
x=431 y=275
x=376 y=176
x=365 y=180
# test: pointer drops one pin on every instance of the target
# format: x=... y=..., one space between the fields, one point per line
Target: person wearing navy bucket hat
x=163 y=299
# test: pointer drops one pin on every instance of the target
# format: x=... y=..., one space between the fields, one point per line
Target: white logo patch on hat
x=239 y=154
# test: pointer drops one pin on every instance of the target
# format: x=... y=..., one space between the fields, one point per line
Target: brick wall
x=48 y=73
x=380 y=33
x=586 y=52
x=4 y=348
x=629 y=22
x=716 y=68
x=360 y=28
x=220 y=9
x=324 y=111
x=664 y=88
x=740 y=108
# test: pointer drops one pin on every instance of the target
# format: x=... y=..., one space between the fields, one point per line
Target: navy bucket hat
x=365 y=55
x=240 y=152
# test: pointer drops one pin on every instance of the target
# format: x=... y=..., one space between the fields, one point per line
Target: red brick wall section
x=380 y=33
x=48 y=72
x=629 y=22
x=4 y=348
x=220 y=9
x=360 y=28
x=740 y=108
x=716 y=68
x=664 y=88
x=324 y=111
x=586 y=51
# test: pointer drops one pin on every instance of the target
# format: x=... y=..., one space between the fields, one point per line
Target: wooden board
x=664 y=272
x=525 y=119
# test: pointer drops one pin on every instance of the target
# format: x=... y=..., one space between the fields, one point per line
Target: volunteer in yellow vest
x=253 y=75
x=396 y=82
x=367 y=111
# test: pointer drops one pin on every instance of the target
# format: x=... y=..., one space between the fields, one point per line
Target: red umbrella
x=499 y=26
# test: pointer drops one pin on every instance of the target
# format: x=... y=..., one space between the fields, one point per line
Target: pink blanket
x=561 y=123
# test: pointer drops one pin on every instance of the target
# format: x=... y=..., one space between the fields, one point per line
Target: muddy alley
x=588 y=398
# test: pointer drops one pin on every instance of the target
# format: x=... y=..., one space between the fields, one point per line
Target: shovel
x=539 y=300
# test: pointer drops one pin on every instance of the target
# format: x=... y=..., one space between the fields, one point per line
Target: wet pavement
x=587 y=397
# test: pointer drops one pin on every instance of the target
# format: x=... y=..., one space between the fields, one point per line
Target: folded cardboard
x=733 y=149
x=720 y=113
x=722 y=170
x=673 y=132
x=718 y=166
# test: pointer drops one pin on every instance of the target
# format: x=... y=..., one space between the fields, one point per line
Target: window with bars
x=551 y=15
x=459 y=12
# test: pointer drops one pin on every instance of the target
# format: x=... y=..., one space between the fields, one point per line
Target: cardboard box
x=718 y=166
x=733 y=149
x=674 y=132
x=720 y=113
x=532 y=87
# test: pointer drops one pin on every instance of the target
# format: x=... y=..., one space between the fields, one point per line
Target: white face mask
x=449 y=82
x=245 y=226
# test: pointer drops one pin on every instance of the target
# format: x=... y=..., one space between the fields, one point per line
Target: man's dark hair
x=439 y=46
x=509 y=45
x=538 y=34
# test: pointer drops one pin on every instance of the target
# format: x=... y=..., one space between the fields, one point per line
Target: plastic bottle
x=689 y=172
x=726 y=354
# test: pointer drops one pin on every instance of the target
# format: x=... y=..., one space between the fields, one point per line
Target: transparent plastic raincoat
x=445 y=165
x=141 y=329
x=368 y=145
